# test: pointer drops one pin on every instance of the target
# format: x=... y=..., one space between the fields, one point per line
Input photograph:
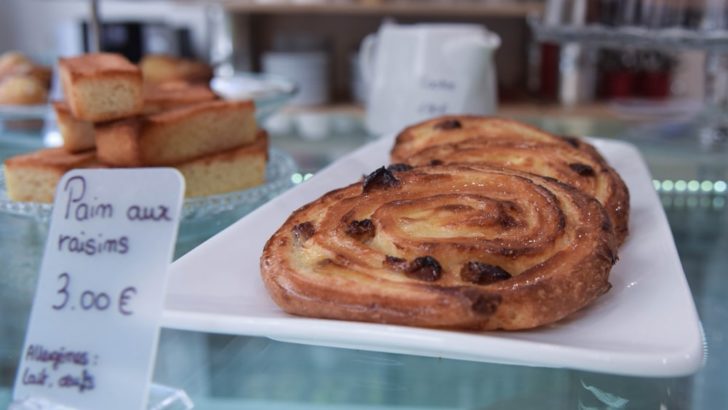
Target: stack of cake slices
x=111 y=118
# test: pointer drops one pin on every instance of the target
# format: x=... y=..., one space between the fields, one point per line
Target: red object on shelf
x=619 y=84
x=549 y=71
x=654 y=84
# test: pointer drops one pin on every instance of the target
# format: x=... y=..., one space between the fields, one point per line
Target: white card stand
x=160 y=398
x=94 y=326
x=168 y=398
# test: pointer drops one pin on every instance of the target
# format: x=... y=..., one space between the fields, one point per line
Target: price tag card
x=94 y=325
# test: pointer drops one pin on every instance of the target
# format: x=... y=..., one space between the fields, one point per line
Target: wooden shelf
x=502 y=8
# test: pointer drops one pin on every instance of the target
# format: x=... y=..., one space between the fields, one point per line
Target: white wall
x=32 y=26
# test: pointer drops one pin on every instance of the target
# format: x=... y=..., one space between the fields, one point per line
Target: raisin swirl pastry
x=468 y=247
x=458 y=128
x=575 y=167
x=504 y=143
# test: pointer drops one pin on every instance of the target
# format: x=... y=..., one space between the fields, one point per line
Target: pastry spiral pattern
x=458 y=128
x=504 y=143
x=469 y=247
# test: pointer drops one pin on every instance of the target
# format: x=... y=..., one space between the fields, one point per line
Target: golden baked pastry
x=101 y=86
x=505 y=143
x=226 y=171
x=78 y=135
x=447 y=246
x=457 y=128
x=21 y=81
x=40 y=73
x=177 y=135
x=159 y=68
x=33 y=176
x=22 y=90
x=174 y=94
x=568 y=165
x=12 y=61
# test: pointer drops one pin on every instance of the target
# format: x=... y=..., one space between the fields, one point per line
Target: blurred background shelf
x=636 y=37
x=411 y=7
x=337 y=29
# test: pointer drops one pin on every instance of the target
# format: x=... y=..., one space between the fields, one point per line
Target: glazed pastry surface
x=504 y=143
x=455 y=246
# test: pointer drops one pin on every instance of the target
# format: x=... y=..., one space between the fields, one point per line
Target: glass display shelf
x=224 y=372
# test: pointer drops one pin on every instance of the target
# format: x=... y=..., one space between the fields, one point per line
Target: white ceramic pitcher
x=415 y=72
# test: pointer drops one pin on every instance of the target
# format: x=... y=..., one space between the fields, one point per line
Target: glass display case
x=224 y=371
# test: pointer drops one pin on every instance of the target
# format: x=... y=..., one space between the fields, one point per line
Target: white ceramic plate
x=646 y=325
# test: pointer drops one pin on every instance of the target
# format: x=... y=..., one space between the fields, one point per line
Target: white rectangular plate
x=646 y=325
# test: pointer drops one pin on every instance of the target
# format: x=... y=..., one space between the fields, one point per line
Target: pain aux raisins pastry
x=453 y=246
x=457 y=128
x=504 y=143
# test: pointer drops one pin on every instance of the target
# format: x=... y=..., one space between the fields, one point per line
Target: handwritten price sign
x=94 y=325
x=90 y=299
